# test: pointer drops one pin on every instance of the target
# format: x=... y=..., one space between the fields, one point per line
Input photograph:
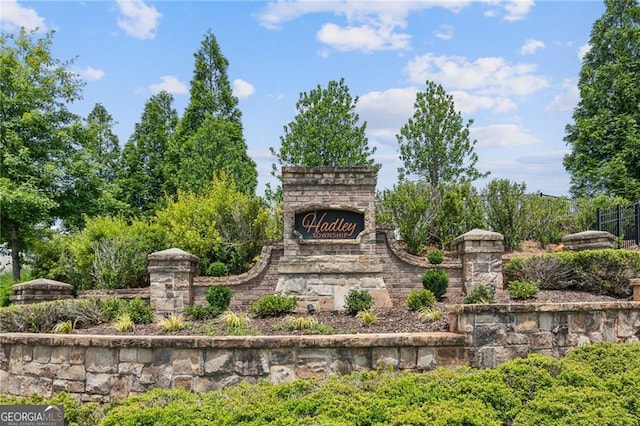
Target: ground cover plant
x=592 y=384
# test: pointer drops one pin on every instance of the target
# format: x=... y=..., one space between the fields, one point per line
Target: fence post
x=618 y=220
x=638 y=224
x=598 y=221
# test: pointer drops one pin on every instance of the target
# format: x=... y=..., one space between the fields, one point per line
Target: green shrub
x=505 y=207
x=549 y=218
x=274 y=305
x=217 y=269
x=357 y=301
x=139 y=311
x=436 y=281
x=43 y=317
x=481 y=294
x=435 y=257
x=459 y=211
x=419 y=299
x=219 y=297
x=522 y=289
x=596 y=271
x=5 y=291
x=199 y=312
x=111 y=308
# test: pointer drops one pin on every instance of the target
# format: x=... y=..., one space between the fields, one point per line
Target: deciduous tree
x=35 y=143
x=605 y=135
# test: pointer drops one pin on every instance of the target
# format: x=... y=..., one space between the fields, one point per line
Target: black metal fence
x=623 y=222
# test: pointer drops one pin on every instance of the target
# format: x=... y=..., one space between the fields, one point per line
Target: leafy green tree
x=505 y=206
x=219 y=224
x=209 y=138
x=605 y=135
x=412 y=208
x=142 y=178
x=434 y=143
x=460 y=210
x=35 y=144
x=325 y=132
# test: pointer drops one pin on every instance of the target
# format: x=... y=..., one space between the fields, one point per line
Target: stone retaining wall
x=498 y=333
x=103 y=368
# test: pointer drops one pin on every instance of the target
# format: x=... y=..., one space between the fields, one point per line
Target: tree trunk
x=15 y=251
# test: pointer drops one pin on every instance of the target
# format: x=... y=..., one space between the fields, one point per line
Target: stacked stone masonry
x=104 y=368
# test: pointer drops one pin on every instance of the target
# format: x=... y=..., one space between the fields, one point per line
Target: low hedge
x=593 y=384
x=595 y=271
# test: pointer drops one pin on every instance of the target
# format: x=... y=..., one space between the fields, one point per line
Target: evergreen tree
x=209 y=138
x=142 y=179
x=434 y=143
x=605 y=135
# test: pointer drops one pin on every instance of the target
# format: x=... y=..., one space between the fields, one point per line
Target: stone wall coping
x=329 y=169
x=542 y=307
x=478 y=235
x=587 y=235
x=173 y=254
x=42 y=283
x=433 y=339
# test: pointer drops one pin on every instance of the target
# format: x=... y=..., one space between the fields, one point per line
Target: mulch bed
x=398 y=319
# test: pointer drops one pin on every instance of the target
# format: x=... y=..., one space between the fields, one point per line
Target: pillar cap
x=173 y=254
x=478 y=235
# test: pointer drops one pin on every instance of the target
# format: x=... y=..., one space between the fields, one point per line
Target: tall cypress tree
x=142 y=179
x=209 y=138
x=605 y=135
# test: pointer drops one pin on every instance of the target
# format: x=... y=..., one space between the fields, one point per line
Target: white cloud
x=489 y=76
x=91 y=74
x=138 y=19
x=365 y=38
x=530 y=46
x=512 y=10
x=368 y=25
x=169 y=84
x=242 y=89
x=386 y=112
x=502 y=135
x=469 y=103
x=517 y=10
x=566 y=100
x=583 y=50
x=445 y=32
x=13 y=16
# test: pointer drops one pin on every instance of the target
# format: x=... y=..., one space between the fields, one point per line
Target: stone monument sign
x=330 y=236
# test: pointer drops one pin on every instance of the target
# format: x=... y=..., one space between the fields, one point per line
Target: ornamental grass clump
x=171 y=323
x=366 y=318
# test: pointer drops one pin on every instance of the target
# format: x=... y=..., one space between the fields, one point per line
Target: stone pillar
x=171 y=274
x=481 y=255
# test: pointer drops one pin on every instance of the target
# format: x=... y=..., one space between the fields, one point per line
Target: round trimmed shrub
x=419 y=299
x=219 y=297
x=217 y=269
x=436 y=281
x=435 y=257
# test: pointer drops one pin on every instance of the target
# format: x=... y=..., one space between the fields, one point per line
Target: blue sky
x=511 y=66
